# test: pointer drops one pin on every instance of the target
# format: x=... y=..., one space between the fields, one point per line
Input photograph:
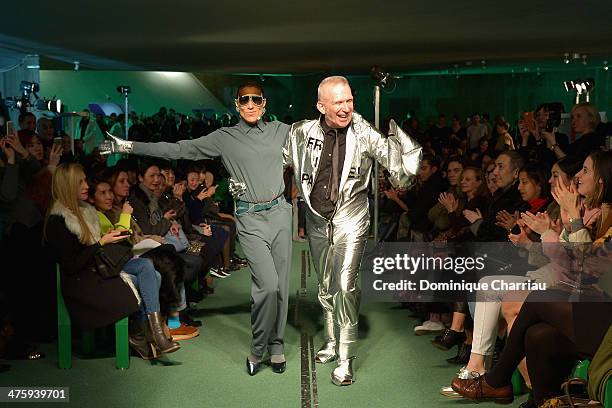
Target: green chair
x=581 y=371
x=64 y=336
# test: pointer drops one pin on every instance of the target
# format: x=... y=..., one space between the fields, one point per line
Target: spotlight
x=566 y=58
x=124 y=89
x=605 y=64
x=77 y=65
x=569 y=85
x=384 y=79
x=584 y=59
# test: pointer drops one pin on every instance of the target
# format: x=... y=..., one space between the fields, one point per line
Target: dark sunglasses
x=256 y=99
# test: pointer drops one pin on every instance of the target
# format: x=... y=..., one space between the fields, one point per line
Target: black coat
x=91 y=301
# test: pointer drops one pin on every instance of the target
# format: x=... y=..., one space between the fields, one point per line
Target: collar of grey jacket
x=246 y=128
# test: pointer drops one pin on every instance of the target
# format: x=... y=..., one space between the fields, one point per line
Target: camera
x=124 y=89
x=24 y=103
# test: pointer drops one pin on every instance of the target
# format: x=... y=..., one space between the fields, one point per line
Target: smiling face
x=336 y=103
x=103 y=197
x=250 y=104
x=193 y=180
x=585 y=179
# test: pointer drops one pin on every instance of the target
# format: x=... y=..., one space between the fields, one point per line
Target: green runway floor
x=394 y=367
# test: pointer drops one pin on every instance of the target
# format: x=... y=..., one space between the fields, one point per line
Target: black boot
x=138 y=342
x=157 y=335
x=463 y=355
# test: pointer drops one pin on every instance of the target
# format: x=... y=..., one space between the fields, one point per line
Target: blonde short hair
x=591 y=111
x=331 y=80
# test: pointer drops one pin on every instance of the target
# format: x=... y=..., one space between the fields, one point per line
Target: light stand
x=383 y=80
x=125 y=90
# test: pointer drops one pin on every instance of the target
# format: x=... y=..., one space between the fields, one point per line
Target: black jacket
x=91 y=301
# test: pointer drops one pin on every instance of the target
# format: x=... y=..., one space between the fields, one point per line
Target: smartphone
x=529 y=119
x=125 y=233
x=10 y=129
x=199 y=189
x=57 y=141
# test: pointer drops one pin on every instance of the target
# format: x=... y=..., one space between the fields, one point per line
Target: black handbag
x=110 y=259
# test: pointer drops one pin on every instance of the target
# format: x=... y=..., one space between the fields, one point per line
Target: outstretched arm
x=197 y=149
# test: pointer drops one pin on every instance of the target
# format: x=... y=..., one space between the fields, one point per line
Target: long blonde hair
x=65 y=188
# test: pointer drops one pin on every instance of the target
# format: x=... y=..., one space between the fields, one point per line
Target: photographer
x=539 y=142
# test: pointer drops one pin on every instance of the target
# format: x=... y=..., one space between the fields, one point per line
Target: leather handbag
x=570 y=400
x=110 y=258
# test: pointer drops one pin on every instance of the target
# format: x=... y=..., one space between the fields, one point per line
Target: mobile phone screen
x=10 y=129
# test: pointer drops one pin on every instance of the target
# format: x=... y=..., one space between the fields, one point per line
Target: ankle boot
x=156 y=334
x=327 y=352
x=343 y=374
x=138 y=342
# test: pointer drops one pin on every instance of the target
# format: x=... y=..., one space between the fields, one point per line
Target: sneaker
x=429 y=327
x=220 y=273
x=184 y=332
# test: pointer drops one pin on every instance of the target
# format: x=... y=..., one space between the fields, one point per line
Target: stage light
x=566 y=58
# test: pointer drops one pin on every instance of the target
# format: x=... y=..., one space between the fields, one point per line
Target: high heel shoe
x=156 y=334
x=139 y=344
x=252 y=367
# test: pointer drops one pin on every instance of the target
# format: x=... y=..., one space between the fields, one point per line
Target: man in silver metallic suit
x=332 y=157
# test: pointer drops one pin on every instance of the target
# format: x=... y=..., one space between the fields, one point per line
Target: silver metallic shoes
x=343 y=374
x=327 y=352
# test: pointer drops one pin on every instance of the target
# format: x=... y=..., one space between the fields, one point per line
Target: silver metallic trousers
x=337 y=247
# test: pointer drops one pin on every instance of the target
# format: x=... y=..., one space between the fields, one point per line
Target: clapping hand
x=538 y=223
x=567 y=198
x=506 y=220
x=520 y=239
x=449 y=202
x=472 y=216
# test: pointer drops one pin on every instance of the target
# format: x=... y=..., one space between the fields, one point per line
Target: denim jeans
x=148 y=282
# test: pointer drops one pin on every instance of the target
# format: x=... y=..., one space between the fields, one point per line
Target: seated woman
x=202 y=209
x=212 y=239
x=576 y=327
x=72 y=233
x=149 y=340
x=473 y=194
x=152 y=220
x=170 y=264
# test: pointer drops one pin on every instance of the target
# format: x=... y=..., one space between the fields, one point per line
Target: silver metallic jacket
x=398 y=153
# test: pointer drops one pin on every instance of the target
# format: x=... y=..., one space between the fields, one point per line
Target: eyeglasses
x=256 y=99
